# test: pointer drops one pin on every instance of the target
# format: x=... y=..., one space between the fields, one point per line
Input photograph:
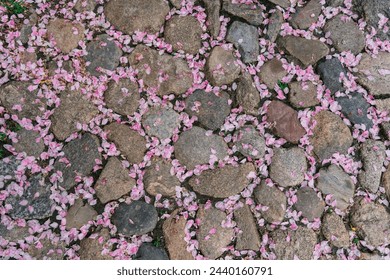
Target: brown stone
x=51 y=250
x=282 y=3
x=304 y=17
x=248 y=238
x=79 y=214
x=274 y=26
x=122 y=97
x=85 y=6
x=272 y=72
x=274 y=199
x=301 y=97
x=212 y=10
x=309 y=203
x=250 y=13
x=30 y=142
x=91 y=249
x=66 y=34
x=386 y=181
x=334 y=230
x=247 y=95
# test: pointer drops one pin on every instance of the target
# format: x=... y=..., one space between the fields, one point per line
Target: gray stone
x=371 y=257
x=149 y=252
x=129 y=16
x=51 y=250
x=305 y=16
x=25 y=33
x=30 y=142
x=247 y=95
x=248 y=238
x=373 y=156
x=386 y=181
x=8 y=166
x=249 y=142
x=334 y=181
x=211 y=109
x=160 y=122
x=355 y=108
x=85 y=6
x=288 y=166
x=274 y=199
x=335 y=3
x=309 y=203
x=303 y=98
x=212 y=10
x=250 y=13
x=176 y=3
x=334 y=230
x=224 y=181
x=136 y=218
x=274 y=26
x=79 y=214
x=246 y=39
x=80 y=155
x=272 y=72
x=194 y=147
x=66 y=34
x=91 y=249
x=14 y=234
x=281 y=3
x=122 y=97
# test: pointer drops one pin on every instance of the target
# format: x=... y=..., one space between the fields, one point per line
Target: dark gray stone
x=8 y=167
x=122 y=97
x=309 y=203
x=355 y=109
x=330 y=71
x=250 y=13
x=160 y=122
x=149 y=252
x=27 y=142
x=14 y=234
x=246 y=39
x=274 y=26
x=249 y=142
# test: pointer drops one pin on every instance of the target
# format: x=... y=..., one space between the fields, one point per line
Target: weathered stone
x=51 y=250
x=79 y=214
x=250 y=13
x=288 y=166
x=373 y=73
x=122 y=97
x=102 y=53
x=335 y=3
x=247 y=95
x=272 y=72
x=334 y=230
x=176 y=3
x=246 y=39
x=303 y=96
x=74 y=108
x=221 y=67
x=14 y=234
x=159 y=180
x=210 y=108
x=212 y=236
x=330 y=135
x=66 y=34
x=372 y=222
x=309 y=203
x=249 y=142
x=281 y=3
x=85 y=6
x=307 y=15
x=30 y=142
x=307 y=51
x=136 y=218
x=14 y=94
x=91 y=249
x=129 y=142
x=194 y=147
x=370 y=257
x=136 y=15
x=355 y=108
x=27 y=57
x=386 y=182
x=54 y=67
x=160 y=122
x=373 y=155
x=25 y=32
x=272 y=198
x=248 y=238
x=80 y=157
x=184 y=34
x=274 y=26
x=148 y=252
x=345 y=35
x=8 y=166
x=212 y=10
x=174 y=236
x=334 y=181
x=291 y=244
x=330 y=71
x=114 y=181
x=30 y=205
x=383 y=105
x=222 y=182
x=164 y=73
x=284 y=121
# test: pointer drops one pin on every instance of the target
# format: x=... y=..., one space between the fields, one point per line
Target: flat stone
x=250 y=13
x=330 y=135
x=274 y=199
x=30 y=142
x=373 y=73
x=91 y=249
x=158 y=178
x=160 y=122
x=136 y=15
x=79 y=214
x=80 y=155
x=288 y=166
x=249 y=142
x=222 y=182
x=290 y=244
x=212 y=245
x=334 y=230
x=184 y=34
x=211 y=109
x=85 y=6
x=334 y=181
x=74 y=108
x=281 y=3
x=284 y=121
x=114 y=181
x=8 y=166
x=272 y=72
x=129 y=142
x=51 y=250
x=66 y=34
x=372 y=222
x=164 y=73
x=102 y=53
x=386 y=182
x=330 y=71
x=136 y=218
x=221 y=67
x=16 y=93
x=174 y=236
x=247 y=95
x=176 y=3
x=345 y=35
x=303 y=96
x=274 y=26
x=15 y=234
x=149 y=252
x=194 y=147
x=27 y=206
x=305 y=16
x=355 y=108
x=309 y=203
x=373 y=156
x=248 y=238
x=122 y=97
x=245 y=38
x=307 y=51
x=212 y=10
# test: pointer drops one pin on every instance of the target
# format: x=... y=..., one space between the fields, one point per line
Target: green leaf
x=282 y=85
